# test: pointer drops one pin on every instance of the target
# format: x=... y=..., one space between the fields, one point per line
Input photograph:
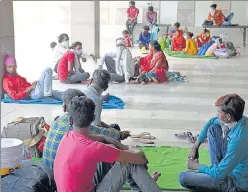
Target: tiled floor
x=161 y=109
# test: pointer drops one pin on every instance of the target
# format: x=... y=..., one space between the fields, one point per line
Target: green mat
x=170 y=161
x=183 y=55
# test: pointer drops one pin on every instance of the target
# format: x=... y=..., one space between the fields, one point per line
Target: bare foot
x=143 y=83
x=85 y=82
x=156 y=175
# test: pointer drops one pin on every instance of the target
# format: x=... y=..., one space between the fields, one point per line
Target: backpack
x=30 y=130
x=32 y=177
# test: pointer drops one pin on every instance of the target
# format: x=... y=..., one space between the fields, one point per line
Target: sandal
x=144 y=135
x=186 y=135
x=145 y=141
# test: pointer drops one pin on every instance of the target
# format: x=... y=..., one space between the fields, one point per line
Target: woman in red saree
x=155 y=61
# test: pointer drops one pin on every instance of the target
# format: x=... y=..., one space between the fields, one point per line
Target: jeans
x=116 y=177
x=77 y=78
x=202 y=182
x=228 y=18
x=130 y=26
x=110 y=64
x=44 y=87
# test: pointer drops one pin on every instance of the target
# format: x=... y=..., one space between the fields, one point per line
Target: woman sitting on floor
x=191 y=47
x=155 y=62
x=69 y=66
x=203 y=38
x=178 y=42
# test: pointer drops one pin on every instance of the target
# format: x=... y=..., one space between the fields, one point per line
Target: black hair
x=150 y=8
x=190 y=34
x=75 y=44
x=214 y=6
x=146 y=28
x=132 y=2
x=82 y=111
x=205 y=30
x=125 y=32
x=69 y=94
x=61 y=37
x=156 y=45
x=102 y=78
x=177 y=24
x=232 y=104
x=53 y=44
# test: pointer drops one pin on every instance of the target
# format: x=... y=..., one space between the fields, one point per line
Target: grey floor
x=162 y=109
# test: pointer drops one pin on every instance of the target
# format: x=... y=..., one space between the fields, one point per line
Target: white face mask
x=65 y=44
x=79 y=51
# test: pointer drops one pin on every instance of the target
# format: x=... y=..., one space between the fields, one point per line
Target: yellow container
x=11 y=154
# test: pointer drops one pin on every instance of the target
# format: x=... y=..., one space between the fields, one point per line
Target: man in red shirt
x=132 y=14
x=79 y=153
x=18 y=88
x=69 y=66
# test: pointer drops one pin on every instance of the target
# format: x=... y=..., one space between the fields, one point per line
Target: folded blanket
x=183 y=55
x=112 y=103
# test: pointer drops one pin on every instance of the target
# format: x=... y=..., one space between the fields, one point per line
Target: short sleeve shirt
x=76 y=162
x=69 y=56
x=132 y=12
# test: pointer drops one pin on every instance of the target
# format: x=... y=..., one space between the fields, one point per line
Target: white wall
x=168 y=12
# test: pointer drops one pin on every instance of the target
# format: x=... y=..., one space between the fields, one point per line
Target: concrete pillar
x=7 y=45
x=85 y=25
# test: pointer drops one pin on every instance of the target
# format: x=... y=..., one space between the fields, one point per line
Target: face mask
x=65 y=44
x=79 y=51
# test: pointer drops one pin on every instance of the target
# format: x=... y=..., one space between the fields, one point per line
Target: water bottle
x=225 y=36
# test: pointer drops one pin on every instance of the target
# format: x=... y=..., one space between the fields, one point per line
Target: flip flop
x=145 y=141
x=144 y=135
x=186 y=135
x=156 y=176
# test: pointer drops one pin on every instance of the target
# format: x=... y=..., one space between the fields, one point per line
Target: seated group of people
x=87 y=155
x=122 y=68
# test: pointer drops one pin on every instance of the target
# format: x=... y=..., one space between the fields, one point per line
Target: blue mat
x=112 y=103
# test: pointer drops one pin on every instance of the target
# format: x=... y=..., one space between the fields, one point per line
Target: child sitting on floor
x=126 y=37
x=178 y=43
x=191 y=47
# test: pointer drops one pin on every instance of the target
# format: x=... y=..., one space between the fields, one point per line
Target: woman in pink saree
x=155 y=61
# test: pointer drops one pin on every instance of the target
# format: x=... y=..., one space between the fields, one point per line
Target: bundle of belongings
x=219 y=48
x=30 y=176
x=32 y=131
x=175 y=77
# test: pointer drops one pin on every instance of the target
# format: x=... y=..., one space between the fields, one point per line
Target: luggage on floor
x=33 y=177
x=228 y=51
x=30 y=130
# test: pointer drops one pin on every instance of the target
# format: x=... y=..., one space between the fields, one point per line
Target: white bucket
x=11 y=154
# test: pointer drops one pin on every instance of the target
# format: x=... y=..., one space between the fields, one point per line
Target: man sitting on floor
x=120 y=64
x=18 y=88
x=227 y=136
x=63 y=124
x=99 y=83
x=59 y=50
x=79 y=153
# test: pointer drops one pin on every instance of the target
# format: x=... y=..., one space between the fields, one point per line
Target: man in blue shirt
x=144 y=38
x=227 y=136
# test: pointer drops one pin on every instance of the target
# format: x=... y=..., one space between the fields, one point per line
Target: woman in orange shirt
x=216 y=17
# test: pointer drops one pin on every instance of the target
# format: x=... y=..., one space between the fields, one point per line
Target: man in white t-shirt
x=59 y=50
